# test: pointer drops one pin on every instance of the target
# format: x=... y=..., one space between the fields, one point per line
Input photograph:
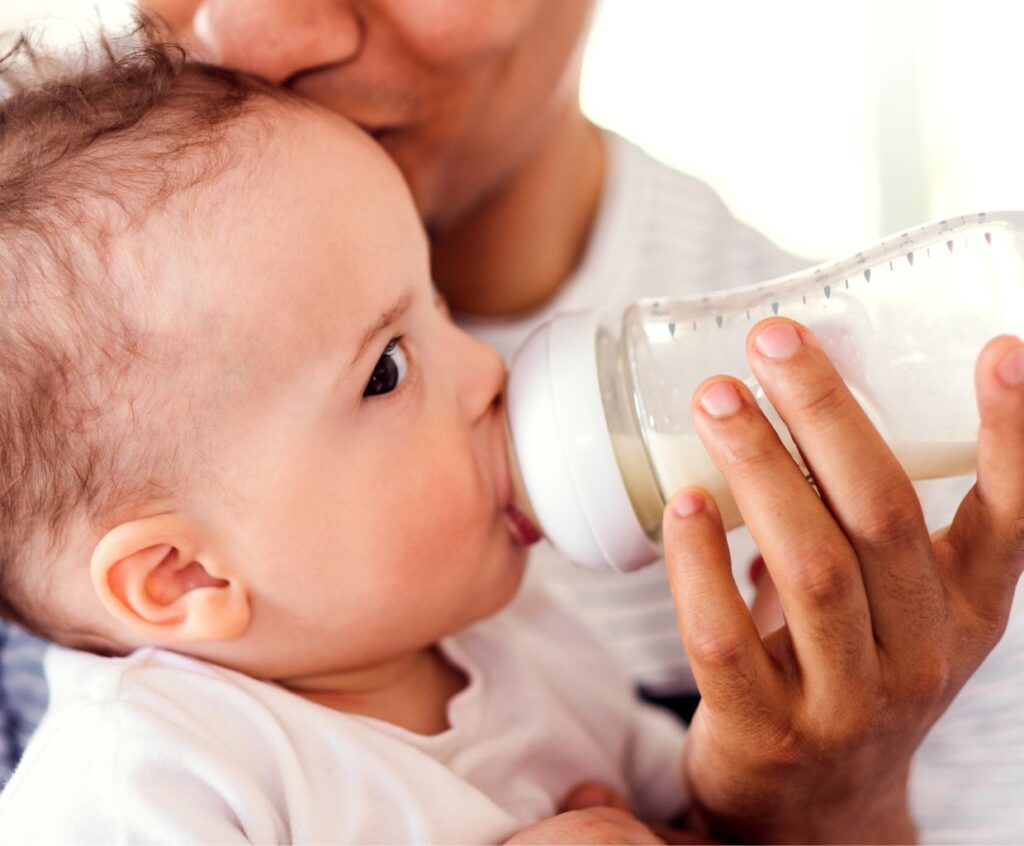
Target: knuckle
x=716 y=650
x=812 y=740
x=822 y=575
x=751 y=450
x=916 y=684
x=893 y=519
x=824 y=401
x=796 y=744
x=936 y=680
x=988 y=621
x=928 y=682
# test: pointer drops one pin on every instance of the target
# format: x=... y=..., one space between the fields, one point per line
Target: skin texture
x=314 y=547
x=509 y=213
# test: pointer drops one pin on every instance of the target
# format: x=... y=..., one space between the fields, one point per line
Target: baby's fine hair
x=89 y=145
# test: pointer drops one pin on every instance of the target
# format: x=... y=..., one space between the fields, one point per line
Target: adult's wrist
x=872 y=816
x=868 y=826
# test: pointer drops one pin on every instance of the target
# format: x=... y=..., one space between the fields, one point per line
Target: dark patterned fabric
x=22 y=693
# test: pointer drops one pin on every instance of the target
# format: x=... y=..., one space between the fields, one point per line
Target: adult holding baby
x=531 y=209
x=808 y=735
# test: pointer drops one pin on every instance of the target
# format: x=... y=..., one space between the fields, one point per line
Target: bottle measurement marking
x=827 y=290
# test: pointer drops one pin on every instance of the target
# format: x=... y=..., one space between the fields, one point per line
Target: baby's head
x=235 y=419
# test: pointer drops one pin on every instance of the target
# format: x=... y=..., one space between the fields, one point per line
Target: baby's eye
x=390 y=370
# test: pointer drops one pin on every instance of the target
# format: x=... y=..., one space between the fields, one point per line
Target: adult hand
x=807 y=734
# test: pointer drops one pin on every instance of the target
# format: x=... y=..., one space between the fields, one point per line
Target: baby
x=254 y=481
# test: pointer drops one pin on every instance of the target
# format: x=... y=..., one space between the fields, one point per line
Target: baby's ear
x=162 y=578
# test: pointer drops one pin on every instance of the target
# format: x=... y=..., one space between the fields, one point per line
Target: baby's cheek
x=456 y=497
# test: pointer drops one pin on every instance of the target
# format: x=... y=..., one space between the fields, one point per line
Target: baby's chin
x=517 y=558
x=506 y=569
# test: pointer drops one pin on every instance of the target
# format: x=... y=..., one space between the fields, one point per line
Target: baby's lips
x=526 y=532
x=518 y=502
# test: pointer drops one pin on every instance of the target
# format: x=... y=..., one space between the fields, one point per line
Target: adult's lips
x=380 y=132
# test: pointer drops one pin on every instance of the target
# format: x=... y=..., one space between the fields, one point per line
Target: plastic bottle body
x=903 y=324
x=600 y=413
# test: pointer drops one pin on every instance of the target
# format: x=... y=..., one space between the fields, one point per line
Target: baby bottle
x=599 y=410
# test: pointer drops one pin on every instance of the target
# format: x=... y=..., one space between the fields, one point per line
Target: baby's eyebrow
x=386 y=318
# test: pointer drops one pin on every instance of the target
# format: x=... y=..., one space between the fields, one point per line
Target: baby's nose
x=483 y=376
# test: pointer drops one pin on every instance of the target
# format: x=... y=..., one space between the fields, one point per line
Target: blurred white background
x=824 y=124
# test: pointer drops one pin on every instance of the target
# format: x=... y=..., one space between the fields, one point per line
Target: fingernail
x=1011 y=369
x=687 y=503
x=780 y=340
x=721 y=400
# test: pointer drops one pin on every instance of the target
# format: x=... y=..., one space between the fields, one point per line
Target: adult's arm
x=807 y=734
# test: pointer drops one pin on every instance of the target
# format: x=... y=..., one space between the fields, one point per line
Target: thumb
x=592 y=794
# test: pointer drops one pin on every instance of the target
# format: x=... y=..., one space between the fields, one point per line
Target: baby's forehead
x=290 y=250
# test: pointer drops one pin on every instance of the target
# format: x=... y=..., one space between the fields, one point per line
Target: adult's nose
x=278 y=39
